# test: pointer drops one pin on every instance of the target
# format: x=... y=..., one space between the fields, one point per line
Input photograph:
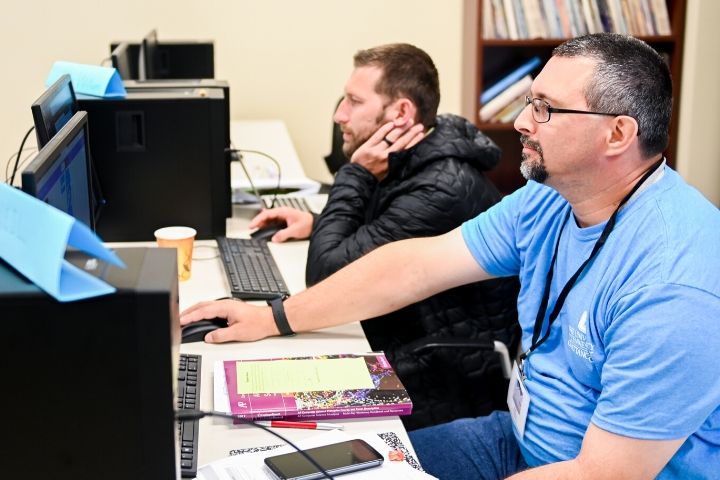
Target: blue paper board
x=33 y=239
x=89 y=79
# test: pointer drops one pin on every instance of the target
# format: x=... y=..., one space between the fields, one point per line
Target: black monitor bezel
x=120 y=58
x=40 y=106
x=46 y=158
x=149 y=55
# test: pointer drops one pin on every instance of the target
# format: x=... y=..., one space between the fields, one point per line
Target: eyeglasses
x=541 y=110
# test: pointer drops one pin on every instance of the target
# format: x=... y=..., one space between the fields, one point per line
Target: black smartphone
x=336 y=459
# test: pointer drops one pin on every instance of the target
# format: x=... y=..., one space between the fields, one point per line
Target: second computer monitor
x=60 y=173
x=149 y=56
x=52 y=110
x=121 y=61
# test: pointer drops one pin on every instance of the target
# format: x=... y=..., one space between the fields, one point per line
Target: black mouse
x=267 y=232
x=196 y=331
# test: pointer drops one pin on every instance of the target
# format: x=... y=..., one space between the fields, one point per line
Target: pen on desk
x=309 y=425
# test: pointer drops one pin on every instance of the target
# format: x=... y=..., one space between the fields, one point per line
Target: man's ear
x=623 y=133
x=402 y=111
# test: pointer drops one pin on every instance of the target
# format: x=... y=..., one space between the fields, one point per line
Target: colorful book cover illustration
x=317 y=387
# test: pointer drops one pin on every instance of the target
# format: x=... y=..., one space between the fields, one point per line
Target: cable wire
x=247 y=173
x=197 y=414
x=17 y=159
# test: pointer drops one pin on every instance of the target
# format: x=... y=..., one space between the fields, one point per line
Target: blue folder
x=89 y=79
x=33 y=239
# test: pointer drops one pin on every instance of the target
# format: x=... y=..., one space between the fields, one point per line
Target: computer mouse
x=196 y=331
x=267 y=232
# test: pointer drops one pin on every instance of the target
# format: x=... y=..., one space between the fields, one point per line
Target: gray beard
x=534 y=170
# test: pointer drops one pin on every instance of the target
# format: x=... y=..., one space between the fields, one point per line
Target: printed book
x=315 y=388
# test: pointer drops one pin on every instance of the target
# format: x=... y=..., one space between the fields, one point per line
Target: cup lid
x=175 y=233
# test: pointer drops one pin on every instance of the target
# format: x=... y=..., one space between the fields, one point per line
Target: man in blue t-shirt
x=620 y=298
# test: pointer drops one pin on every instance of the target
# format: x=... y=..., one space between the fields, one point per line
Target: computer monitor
x=60 y=173
x=121 y=61
x=149 y=56
x=53 y=109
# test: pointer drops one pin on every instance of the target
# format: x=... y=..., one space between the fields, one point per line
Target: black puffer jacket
x=429 y=190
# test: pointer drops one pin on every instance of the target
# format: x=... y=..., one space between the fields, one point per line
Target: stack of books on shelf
x=526 y=19
x=315 y=388
x=505 y=99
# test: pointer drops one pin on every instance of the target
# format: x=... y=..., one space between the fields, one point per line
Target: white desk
x=270 y=137
x=208 y=281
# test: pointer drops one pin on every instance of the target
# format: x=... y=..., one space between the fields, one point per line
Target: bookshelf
x=494 y=58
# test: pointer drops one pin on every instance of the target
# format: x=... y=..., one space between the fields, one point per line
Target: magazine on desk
x=317 y=387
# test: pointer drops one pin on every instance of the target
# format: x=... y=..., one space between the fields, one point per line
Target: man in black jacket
x=412 y=174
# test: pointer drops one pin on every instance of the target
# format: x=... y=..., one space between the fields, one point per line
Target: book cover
x=517 y=89
x=510 y=17
x=495 y=89
x=662 y=19
x=316 y=388
x=511 y=112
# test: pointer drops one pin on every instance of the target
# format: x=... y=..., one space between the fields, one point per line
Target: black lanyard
x=570 y=283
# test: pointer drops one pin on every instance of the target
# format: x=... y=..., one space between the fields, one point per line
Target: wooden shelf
x=494 y=58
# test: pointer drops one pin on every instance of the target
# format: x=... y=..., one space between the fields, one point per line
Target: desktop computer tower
x=89 y=384
x=180 y=59
x=160 y=156
x=145 y=85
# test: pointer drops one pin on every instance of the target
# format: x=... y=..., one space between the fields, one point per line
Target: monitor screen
x=53 y=109
x=149 y=56
x=60 y=173
x=120 y=57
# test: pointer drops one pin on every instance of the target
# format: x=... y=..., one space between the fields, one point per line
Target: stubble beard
x=351 y=146
x=533 y=168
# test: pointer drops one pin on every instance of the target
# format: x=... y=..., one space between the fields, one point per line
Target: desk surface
x=219 y=436
x=208 y=281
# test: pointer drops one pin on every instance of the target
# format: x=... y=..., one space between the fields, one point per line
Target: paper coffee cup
x=182 y=239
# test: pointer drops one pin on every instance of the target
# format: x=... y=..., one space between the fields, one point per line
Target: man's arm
x=386 y=279
x=606 y=455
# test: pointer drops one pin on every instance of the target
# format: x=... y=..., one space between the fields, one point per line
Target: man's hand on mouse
x=389 y=138
x=246 y=323
x=299 y=223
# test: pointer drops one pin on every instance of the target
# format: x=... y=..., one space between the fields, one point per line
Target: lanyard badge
x=518 y=399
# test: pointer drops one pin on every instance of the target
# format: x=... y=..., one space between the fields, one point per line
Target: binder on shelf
x=318 y=387
x=507 y=96
x=495 y=89
x=510 y=112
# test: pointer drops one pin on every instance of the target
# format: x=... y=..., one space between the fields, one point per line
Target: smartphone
x=336 y=459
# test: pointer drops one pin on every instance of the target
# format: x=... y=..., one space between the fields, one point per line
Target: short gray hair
x=630 y=78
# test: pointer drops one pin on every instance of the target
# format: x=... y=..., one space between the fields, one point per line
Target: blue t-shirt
x=634 y=349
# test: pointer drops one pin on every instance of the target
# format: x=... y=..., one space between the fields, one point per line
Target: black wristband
x=281 y=320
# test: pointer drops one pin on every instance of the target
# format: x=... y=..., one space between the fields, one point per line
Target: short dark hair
x=407 y=71
x=630 y=78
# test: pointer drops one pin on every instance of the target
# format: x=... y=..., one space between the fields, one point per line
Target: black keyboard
x=298 y=203
x=251 y=269
x=189 y=398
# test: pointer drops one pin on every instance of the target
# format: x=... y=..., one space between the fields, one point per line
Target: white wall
x=289 y=60
x=283 y=59
x=699 y=140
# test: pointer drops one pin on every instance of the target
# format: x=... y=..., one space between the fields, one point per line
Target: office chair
x=423 y=346
x=336 y=158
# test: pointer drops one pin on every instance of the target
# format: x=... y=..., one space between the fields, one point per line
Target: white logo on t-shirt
x=582 y=324
x=578 y=339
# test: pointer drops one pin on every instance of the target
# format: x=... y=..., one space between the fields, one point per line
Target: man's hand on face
x=389 y=138
x=299 y=223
